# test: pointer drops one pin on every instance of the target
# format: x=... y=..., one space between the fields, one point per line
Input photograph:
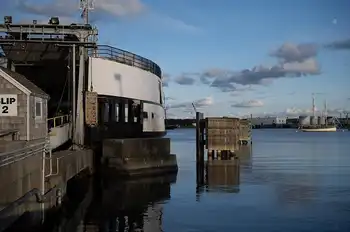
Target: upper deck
x=125 y=57
x=35 y=44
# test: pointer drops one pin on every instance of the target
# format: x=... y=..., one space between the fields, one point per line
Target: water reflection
x=223 y=175
x=133 y=205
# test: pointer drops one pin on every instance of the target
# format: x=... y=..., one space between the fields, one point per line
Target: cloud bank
x=104 y=10
x=293 y=61
x=69 y=9
x=339 y=45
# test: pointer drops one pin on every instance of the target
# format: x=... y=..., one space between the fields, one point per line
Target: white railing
x=58 y=121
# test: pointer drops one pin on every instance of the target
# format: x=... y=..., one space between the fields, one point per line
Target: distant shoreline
x=254 y=128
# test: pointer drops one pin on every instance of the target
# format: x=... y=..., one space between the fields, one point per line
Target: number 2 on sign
x=5 y=109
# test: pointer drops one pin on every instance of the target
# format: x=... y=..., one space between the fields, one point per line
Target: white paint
x=8 y=105
x=14 y=82
x=157 y=123
x=268 y=121
x=59 y=135
x=115 y=79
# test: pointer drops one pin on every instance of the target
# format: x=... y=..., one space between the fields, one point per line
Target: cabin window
x=145 y=115
x=126 y=112
x=38 y=108
x=136 y=110
x=117 y=112
x=160 y=93
x=106 y=112
x=152 y=115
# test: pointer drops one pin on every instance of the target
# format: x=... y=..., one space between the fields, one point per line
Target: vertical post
x=251 y=128
x=199 y=148
x=42 y=205
x=79 y=133
x=74 y=93
x=199 y=138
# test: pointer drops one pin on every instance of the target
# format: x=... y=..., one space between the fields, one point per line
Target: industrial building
x=268 y=121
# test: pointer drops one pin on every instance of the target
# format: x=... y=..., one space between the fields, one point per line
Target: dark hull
x=171 y=127
x=119 y=118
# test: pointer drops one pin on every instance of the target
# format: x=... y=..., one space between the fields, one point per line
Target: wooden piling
x=221 y=137
x=200 y=148
x=199 y=137
x=245 y=132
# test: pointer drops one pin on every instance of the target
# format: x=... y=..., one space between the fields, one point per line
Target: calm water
x=289 y=182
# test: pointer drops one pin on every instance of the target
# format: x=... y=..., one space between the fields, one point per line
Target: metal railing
x=126 y=57
x=10 y=157
x=58 y=121
x=13 y=132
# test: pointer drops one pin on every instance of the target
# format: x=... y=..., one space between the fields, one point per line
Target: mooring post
x=199 y=148
x=199 y=138
x=251 y=128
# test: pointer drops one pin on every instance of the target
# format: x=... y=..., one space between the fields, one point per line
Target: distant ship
x=171 y=127
x=319 y=128
x=316 y=124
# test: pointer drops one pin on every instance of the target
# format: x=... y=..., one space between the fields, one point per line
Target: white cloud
x=179 y=24
x=248 y=104
x=200 y=103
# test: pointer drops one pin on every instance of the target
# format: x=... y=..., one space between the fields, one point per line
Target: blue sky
x=204 y=45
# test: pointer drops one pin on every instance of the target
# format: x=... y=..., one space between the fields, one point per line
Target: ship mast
x=325 y=111
x=313 y=105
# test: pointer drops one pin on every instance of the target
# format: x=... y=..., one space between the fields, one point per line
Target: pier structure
x=221 y=138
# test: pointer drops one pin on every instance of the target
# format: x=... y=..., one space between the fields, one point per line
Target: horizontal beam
x=58 y=42
x=48 y=29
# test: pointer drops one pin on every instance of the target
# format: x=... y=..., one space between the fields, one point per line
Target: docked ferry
x=128 y=86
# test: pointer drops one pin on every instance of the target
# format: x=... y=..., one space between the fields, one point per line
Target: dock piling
x=222 y=138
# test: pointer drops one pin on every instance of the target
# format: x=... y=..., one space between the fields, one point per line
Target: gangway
x=60 y=130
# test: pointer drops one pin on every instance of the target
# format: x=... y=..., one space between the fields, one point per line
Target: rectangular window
x=126 y=112
x=117 y=112
x=106 y=112
x=38 y=108
x=160 y=93
x=145 y=115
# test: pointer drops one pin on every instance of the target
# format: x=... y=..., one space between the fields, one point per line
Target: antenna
x=86 y=6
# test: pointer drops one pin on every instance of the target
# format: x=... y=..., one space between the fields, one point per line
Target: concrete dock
x=138 y=157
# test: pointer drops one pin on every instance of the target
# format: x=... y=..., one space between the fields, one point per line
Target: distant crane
x=194 y=107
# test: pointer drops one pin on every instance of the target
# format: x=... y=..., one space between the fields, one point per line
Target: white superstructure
x=123 y=80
